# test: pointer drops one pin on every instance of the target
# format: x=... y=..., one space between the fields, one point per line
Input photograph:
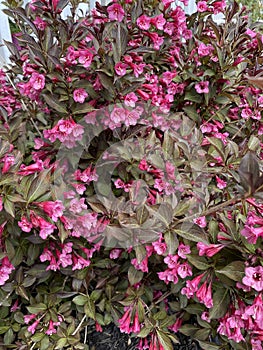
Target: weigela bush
x=131 y=186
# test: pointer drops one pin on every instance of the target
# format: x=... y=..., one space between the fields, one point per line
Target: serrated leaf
x=144 y=332
x=249 y=172
x=96 y=294
x=218 y=145
x=140 y=252
x=234 y=270
x=37 y=337
x=4 y=329
x=193 y=96
x=61 y=343
x=54 y=103
x=171 y=241
x=80 y=300
x=82 y=108
x=89 y=309
x=202 y=334
x=134 y=276
x=190 y=235
x=164 y=340
x=9 y=337
x=191 y=112
x=221 y=300
x=39 y=186
x=208 y=345
x=37 y=308
x=20 y=290
x=9 y=207
x=189 y=330
x=198 y=261
x=10 y=250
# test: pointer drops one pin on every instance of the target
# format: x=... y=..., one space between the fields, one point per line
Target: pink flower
x=158 y=21
x=8 y=160
x=159 y=247
x=25 y=225
x=252 y=233
x=98 y=327
x=115 y=12
x=79 y=95
x=143 y=265
x=120 y=68
x=144 y=22
x=85 y=57
x=51 y=330
x=39 y=23
x=167 y=3
x=115 y=253
x=31 y=169
x=202 y=87
x=201 y=221
x=219 y=6
x=184 y=270
x=221 y=184
x=204 y=294
x=156 y=39
x=79 y=262
x=125 y=321
x=33 y=327
x=28 y=318
x=192 y=286
x=77 y=205
x=130 y=99
x=168 y=276
x=53 y=209
x=255 y=311
x=246 y=113
x=202 y=6
x=209 y=249
x=5 y=270
x=171 y=261
x=176 y=326
x=254 y=278
x=183 y=250
x=251 y=33
x=205 y=50
x=118 y=115
x=136 y=327
x=138 y=69
x=37 y=81
x=46 y=228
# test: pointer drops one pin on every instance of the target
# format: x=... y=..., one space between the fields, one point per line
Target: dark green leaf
x=234 y=270
x=249 y=172
x=134 y=276
x=37 y=308
x=221 y=301
x=54 y=103
x=39 y=186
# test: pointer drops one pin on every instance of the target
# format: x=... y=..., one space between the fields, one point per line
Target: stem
x=214 y=209
x=164 y=296
x=86 y=335
x=80 y=324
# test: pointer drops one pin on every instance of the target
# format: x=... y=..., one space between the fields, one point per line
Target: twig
x=80 y=324
x=212 y=210
x=32 y=347
x=86 y=335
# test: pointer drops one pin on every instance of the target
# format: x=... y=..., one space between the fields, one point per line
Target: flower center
x=257 y=276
